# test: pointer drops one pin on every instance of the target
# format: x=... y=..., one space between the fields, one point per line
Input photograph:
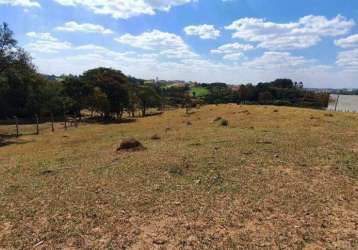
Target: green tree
x=20 y=85
x=265 y=97
x=79 y=91
x=98 y=102
x=112 y=83
x=52 y=98
x=148 y=97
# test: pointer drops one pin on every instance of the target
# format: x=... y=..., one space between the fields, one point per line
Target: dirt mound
x=155 y=137
x=130 y=145
x=224 y=123
x=244 y=112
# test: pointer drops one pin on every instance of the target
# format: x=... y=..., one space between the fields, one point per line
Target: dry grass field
x=274 y=178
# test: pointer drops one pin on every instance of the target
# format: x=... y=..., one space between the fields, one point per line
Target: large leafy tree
x=113 y=84
x=12 y=56
x=148 y=97
x=78 y=91
x=20 y=85
x=52 y=101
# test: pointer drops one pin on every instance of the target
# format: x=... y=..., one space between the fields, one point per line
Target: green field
x=199 y=91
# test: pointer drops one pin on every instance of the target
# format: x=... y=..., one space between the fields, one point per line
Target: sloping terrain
x=274 y=178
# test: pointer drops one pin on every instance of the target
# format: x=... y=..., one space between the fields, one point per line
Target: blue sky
x=234 y=41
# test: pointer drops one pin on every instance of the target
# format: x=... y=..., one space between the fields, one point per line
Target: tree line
x=282 y=92
x=108 y=93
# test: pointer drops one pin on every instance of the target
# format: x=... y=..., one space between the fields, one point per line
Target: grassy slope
x=283 y=179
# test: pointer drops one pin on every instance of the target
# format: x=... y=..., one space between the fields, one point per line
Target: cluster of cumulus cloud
x=169 y=55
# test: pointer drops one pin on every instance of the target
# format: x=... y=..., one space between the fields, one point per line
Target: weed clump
x=175 y=170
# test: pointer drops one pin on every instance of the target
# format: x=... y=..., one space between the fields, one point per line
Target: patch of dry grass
x=269 y=180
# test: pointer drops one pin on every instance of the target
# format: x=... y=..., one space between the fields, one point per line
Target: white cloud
x=232 y=48
x=290 y=42
x=233 y=51
x=269 y=66
x=41 y=36
x=234 y=56
x=125 y=9
x=348 y=42
x=304 y=33
x=204 y=31
x=153 y=40
x=46 y=43
x=100 y=50
x=178 y=54
x=85 y=27
x=348 y=59
x=278 y=60
x=22 y=3
x=165 y=44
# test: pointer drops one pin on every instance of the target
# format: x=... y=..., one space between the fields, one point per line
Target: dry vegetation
x=273 y=178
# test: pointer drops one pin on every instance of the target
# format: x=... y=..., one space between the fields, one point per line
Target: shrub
x=175 y=170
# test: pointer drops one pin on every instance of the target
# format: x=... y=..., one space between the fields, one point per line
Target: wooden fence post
x=52 y=123
x=335 y=106
x=17 y=126
x=64 y=115
x=65 y=123
x=37 y=124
